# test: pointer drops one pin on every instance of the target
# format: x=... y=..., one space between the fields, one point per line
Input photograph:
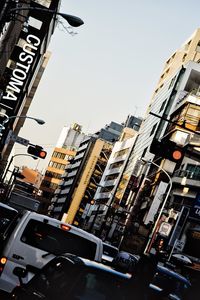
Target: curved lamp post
x=72 y=20
x=154 y=230
x=10 y=182
x=10 y=162
x=2 y=127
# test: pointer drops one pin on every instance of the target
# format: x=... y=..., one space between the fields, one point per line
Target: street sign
x=179 y=245
x=165 y=229
x=19 y=140
x=15 y=138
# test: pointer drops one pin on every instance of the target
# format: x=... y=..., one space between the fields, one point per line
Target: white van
x=36 y=239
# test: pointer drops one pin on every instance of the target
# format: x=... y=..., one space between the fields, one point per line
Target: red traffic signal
x=177 y=154
x=167 y=149
x=37 y=151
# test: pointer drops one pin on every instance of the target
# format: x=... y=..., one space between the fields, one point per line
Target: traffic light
x=37 y=151
x=92 y=202
x=167 y=149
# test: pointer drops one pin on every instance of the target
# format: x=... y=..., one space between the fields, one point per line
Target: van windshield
x=57 y=241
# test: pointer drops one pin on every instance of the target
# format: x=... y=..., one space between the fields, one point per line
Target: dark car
x=74 y=278
x=71 y=277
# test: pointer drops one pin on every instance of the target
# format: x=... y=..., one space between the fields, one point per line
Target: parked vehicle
x=35 y=239
x=74 y=278
x=109 y=253
x=164 y=279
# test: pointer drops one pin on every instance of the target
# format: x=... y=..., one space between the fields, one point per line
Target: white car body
x=21 y=248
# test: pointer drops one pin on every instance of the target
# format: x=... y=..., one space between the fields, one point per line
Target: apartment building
x=84 y=172
x=106 y=197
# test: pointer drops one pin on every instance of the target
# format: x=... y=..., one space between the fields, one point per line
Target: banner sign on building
x=158 y=198
x=195 y=210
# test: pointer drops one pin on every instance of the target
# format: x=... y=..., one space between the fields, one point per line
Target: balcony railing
x=186 y=173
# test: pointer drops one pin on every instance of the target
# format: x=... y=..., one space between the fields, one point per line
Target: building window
x=116 y=165
x=111 y=177
x=184 y=57
x=144 y=152
x=121 y=152
x=162 y=105
x=153 y=129
x=172 y=82
x=193 y=171
x=59 y=155
x=198 y=47
x=45 y=3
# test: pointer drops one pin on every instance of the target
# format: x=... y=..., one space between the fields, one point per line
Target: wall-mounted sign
x=14 y=88
x=195 y=210
x=165 y=229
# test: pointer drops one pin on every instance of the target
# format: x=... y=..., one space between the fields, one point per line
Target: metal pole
x=149 y=243
x=7 y=168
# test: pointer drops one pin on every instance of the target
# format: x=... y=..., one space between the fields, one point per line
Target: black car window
x=99 y=285
x=55 y=240
x=110 y=251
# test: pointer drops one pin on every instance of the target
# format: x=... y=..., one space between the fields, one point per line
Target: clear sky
x=107 y=70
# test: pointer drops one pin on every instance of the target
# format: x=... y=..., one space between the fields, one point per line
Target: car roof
x=172 y=273
x=8 y=207
x=93 y=265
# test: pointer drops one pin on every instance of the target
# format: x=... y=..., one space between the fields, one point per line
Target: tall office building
x=176 y=98
x=167 y=93
x=79 y=181
x=66 y=147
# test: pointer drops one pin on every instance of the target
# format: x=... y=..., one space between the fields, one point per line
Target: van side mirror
x=20 y=273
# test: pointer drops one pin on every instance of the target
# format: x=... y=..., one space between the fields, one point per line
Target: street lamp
x=154 y=230
x=11 y=160
x=14 y=173
x=72 y=20
x=2 y=127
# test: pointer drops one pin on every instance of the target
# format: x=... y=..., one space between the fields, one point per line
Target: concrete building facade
x=178 y=82
x=65 y=150
x=79 y=180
